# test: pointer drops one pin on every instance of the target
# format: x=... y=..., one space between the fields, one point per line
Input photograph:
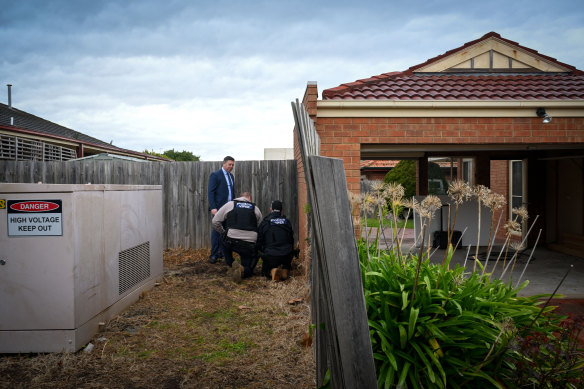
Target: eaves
x=447 y=108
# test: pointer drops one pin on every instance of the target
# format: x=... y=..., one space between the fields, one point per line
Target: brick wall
x=341 y=137
x=500 y=184
x=309 y=102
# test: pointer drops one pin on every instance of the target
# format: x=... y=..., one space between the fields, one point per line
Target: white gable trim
x=484 y=47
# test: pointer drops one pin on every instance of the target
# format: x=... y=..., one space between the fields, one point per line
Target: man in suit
x=221 y=190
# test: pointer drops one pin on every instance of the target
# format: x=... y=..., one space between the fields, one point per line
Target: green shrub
x=404 y=173
x=457 y=330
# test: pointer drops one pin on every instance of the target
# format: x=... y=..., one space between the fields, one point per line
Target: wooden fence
x=342 y=342
x=187 y=222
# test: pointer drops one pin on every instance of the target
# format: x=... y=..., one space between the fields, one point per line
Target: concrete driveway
x=545 y=270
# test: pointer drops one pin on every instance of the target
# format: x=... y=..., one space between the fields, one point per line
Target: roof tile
x=408 y=85
x=564 y=86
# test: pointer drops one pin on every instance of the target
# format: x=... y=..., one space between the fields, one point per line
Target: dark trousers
x=270 y=262
x=246 y=251
x=216 y=245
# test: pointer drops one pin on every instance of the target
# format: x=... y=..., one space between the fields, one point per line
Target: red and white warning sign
x=35 y=217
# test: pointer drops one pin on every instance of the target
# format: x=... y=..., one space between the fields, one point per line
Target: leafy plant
x=455 y=332
x=548 y=360
x=432 y=326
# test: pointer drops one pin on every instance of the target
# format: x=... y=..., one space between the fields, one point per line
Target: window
x=517 y=187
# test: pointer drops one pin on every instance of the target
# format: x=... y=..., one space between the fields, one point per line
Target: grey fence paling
x=342 y=342
x=187 y=222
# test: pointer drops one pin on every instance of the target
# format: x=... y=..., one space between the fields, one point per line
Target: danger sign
x=35 y=218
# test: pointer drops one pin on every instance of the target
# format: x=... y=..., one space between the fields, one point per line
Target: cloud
x=218 y=77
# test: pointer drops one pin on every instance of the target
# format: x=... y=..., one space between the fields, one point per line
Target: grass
x=372 y=222
x=196 y=329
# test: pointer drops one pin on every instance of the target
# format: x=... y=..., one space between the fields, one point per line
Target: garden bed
x=196 y=329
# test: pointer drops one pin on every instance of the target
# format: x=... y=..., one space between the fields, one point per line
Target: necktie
x=230 y=186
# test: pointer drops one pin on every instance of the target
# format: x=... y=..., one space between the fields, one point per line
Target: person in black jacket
x=276 y=243
x=237 y=222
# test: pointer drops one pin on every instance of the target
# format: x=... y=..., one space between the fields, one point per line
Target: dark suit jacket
x=218 y=191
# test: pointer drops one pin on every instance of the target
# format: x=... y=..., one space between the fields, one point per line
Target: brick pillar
x=309 y=102
x=500 y=185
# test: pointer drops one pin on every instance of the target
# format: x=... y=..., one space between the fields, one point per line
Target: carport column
x=422 y=174
x=483 y=170
x=537 y=189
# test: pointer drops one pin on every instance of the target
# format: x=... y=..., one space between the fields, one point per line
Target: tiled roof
x=403 y=86
x=24 y=120
x=387 y=164
x=412 y=85
x=377 y=164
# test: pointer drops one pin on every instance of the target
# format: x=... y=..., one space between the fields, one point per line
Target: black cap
x=276 y=205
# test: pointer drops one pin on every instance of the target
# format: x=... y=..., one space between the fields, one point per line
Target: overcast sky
x=217 y=77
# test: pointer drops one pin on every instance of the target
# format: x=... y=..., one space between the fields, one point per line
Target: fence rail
x=186 y=219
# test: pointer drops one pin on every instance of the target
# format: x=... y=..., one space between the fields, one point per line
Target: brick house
x=486 y=107
x=24 y=136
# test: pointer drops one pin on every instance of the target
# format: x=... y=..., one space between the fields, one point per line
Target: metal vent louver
x=134 y=266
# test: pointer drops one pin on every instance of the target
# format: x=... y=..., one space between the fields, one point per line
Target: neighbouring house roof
x=489 y=68
x=379 y=164
x=25 y=120
x=23 y=124
x=111 y=157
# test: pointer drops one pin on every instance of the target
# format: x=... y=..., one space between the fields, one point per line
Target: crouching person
x=237 y=222
x=276 y=243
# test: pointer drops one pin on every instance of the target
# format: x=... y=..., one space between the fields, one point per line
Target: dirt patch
x=196 y=329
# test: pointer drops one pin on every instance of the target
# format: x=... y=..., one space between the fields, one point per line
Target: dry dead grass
x=197 y=329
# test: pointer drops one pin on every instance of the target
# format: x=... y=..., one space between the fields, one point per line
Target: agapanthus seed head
x=432 y=202
x=411 y=203
x=379 y=201
x=521 y=212
x=481 y=192
x=377 y=185
x=395 y=192
x=459 y=191
x=428 y=206
x=512 y=226
x=495 y=201
x=367 y=202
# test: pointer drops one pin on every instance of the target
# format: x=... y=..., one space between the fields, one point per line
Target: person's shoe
x=237 y=272
x=212 y=260
x=276 y=275
x=284 y=274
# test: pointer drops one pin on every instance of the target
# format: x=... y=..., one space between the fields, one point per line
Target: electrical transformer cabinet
x=72 y=257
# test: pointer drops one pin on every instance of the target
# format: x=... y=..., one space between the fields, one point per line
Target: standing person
x=276 y=242
x=237 y=221
x=221 y=190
